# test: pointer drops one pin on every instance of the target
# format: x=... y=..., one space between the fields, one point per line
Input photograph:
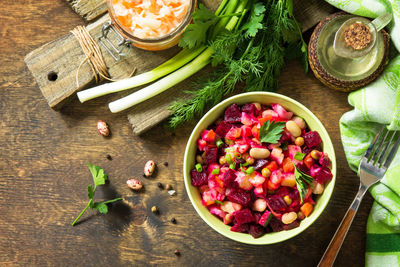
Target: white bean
x=259 y=153
x=318 y=189
x=289 y=217
x=299 y=121
x=293 y=128
x=149 y=168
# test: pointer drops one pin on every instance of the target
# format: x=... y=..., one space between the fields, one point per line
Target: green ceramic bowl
x=216 y=112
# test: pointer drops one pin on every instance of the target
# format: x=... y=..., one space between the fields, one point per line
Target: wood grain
x=55 y=64
x=88 y=9
x=334 y=246
x=43 y=177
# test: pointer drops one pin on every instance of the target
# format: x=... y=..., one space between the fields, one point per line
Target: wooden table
x=43 y=178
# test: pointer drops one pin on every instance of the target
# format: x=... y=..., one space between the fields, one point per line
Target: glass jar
x=156 y=43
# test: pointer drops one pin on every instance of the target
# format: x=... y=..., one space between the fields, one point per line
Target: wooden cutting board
x=54 y=65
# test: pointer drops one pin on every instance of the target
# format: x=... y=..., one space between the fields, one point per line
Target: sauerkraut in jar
x=151 y=24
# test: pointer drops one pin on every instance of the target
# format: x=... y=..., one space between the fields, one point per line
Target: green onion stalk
x=176 y=62
x=182 y=73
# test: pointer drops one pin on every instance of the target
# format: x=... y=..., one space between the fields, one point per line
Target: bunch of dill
x=253 y=53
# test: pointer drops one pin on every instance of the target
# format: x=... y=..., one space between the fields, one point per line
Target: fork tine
x=384 y=152
x=392 y=152
x=371 y=147
x=379 y=150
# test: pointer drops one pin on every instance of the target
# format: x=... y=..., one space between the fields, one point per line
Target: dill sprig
x=254 y=53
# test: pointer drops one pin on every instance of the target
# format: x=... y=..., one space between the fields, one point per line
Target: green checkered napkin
x=374 y=105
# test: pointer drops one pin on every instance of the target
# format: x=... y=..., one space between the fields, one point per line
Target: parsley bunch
x=99 y=178
x=254 y=52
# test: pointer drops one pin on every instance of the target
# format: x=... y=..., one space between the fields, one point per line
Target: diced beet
x=324 y=160
x=232 y=114
x=239 y=196
x=239 y=161
x=240 y=228
x=223 y=128
x=321 y=174
x=285 y=137
x=229 y=179
x=312 y=139
x=256 y=230
x=211 y=155
x=257 y=216
x=243 y=216
x=265 y=218
x=276 y=203
x=302 y=167
x=259 y=164
x=250 y=109
x=276 y=225
x=198 y=178
x=291 y=226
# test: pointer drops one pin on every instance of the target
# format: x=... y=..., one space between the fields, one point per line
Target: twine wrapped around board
x=93 y=56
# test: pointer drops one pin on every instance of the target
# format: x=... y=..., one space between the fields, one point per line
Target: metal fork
x=373 y=166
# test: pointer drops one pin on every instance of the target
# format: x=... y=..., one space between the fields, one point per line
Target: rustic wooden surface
x=43 y=178
x=54 y=65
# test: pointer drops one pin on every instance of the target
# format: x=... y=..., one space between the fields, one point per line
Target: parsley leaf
x=196 y=33
x=99 y=178
x=271 y=132
x=255 y=22
x=302 y=182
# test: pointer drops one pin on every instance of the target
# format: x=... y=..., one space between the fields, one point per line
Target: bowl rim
x=289 y=233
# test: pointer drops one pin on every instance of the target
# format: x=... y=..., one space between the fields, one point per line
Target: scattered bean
x=173 y=220
x=134 y=184
x=166 y=164
x=318 y=189
x=168 y=187
x=160 y=185
x=299 y=121
x=289 y=217
x=299 y=141
x=108 y=156
x=293 y=128
x=102 y=128
x=149 y=168
x=259 y=153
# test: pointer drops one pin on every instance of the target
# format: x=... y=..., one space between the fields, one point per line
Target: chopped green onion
x=299 y=156
x=215 y=171
x=220 y=143
x=199 y=168
x=250 y=170
x=232 y=165
x=228 y=158
x=244 y=164
x=219 y=202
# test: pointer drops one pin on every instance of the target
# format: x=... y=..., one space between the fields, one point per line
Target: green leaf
x=99 y=177
x=299 y=156
x=219 y=202
x=254 y=23
x=302 y=182
x=196 y=33
x=271 y=132
x=101 y=207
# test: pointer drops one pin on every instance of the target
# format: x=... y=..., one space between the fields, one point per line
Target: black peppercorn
x=108 y=156
x=166 y=164
x=177 y=252
x=173 y=220
x=160 y=185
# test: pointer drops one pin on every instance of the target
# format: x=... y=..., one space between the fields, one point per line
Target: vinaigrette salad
x=259 y=169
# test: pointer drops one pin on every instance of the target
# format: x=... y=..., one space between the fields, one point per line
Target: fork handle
x=334 y=246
